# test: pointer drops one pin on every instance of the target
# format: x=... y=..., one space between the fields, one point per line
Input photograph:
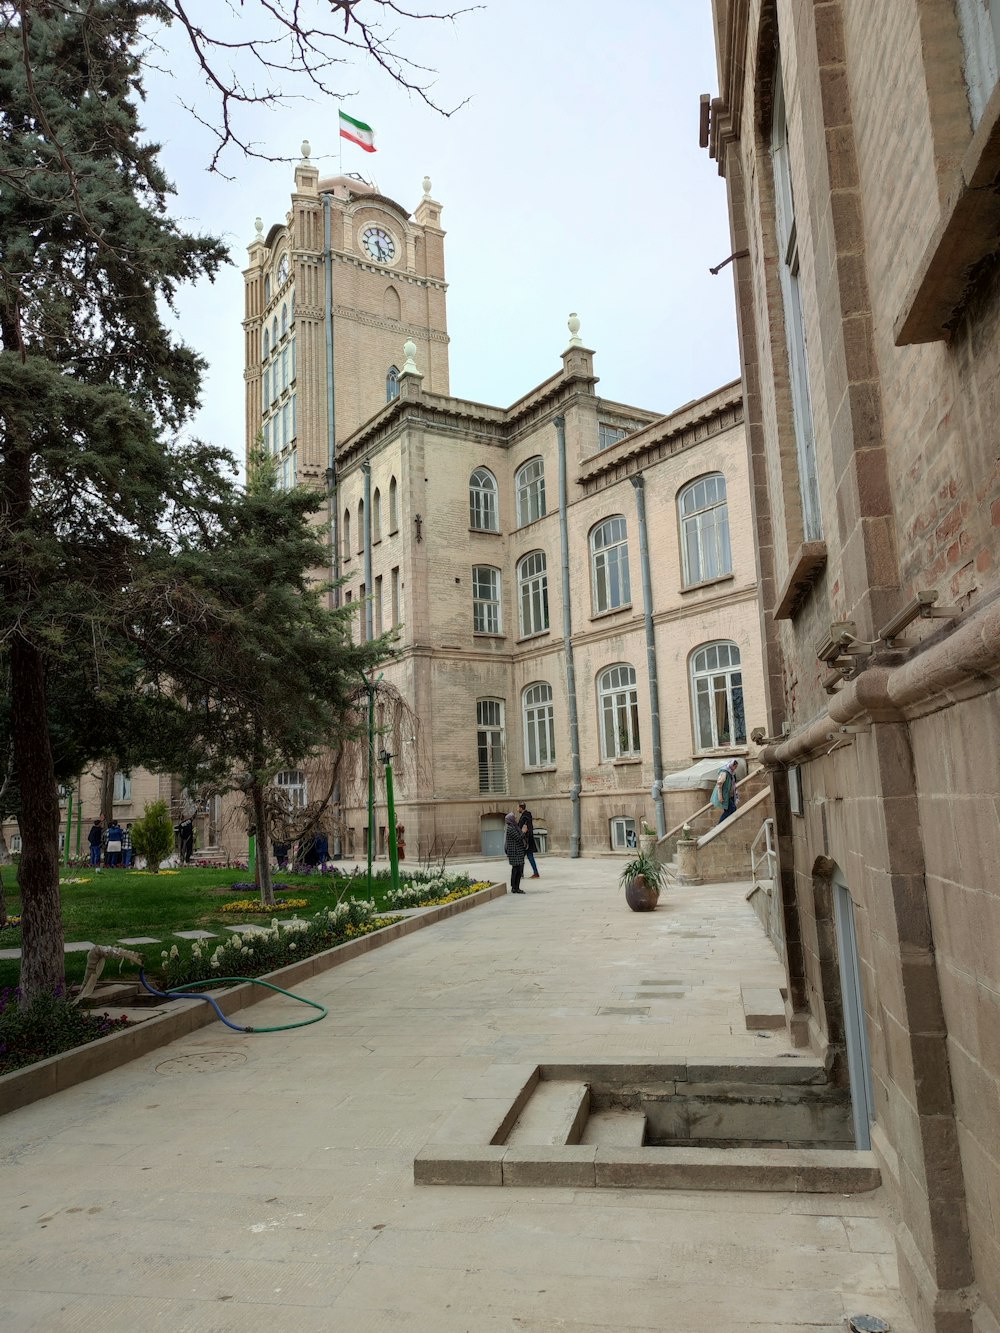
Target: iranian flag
x=357 y=131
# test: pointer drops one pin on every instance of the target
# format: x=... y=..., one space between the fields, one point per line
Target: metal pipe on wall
x=574 y=723
x=638 y=483
x=331 y=416
x=366 y=469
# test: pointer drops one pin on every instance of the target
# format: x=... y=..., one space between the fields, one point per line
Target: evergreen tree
x=91 y=384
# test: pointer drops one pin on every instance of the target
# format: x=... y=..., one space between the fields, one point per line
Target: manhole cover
x=204 y=1062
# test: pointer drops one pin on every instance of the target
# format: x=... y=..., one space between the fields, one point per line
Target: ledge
x=706 y=583
x=967 y=234
x=808 y=563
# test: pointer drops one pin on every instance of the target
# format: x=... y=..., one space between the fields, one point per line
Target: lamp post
x=385 y=758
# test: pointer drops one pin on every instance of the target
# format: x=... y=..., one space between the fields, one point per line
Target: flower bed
x=254 y=907
x=49 y=1026
x=431 y=892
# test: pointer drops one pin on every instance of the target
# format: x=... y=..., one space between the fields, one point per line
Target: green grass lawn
x=115 y=904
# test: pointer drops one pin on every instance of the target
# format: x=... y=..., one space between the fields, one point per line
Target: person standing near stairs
x=724 y=791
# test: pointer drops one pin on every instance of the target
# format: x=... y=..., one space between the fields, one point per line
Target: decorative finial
x=258 y=227
x=306 y=150
x=573 y=324
x=427 y=187
x=410 y=351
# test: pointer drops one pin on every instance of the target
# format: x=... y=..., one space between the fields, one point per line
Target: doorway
x=855 y=1035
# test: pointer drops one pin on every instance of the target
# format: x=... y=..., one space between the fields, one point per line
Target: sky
x=571 y=180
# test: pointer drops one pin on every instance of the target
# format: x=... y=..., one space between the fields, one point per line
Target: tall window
x=267 y=290
x=979 y=24
x=483 y=512
x=530 y=486
x=284 y=320
x=265 y=350
x=393 y=507
x=609 y=435
x=361 y=526
x=704 y=516
x=485 y=599
x=717 y=693
x=798 y=361
x=396 y=620
x=618 y=699
x=347 y=534
x=377 y=516
x=292 y=783
x=378 y=604
x=533 y=593
x=609 y=564
x=490 y=745
x=123 y=787
x=392 y=384
x=539 y=726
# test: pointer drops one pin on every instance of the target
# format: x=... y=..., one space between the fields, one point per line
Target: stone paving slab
x=232 y=1181
x=139 y=939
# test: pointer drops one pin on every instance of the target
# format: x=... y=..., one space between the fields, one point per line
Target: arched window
x=346 y=534
x=704 y=519
x=361 y=526
x=284 y=320
x=265 y=346
x=483 y=512
x=392 y=384
x=292 y=784
x=618 y=701
x=393 y=507
x=609 y=565
x=274 y=330
x=391 y=306
x=490 y=745
x=539 y=726
x=529 y=483
x=533 y=593
x=485 y=600
x=267 y=289
x=717 y=696
x=377 y=515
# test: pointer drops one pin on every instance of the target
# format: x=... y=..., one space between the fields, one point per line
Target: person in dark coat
x=185 y=832
x=527 y=826
x=95 y=840
x=514 y=849
x=281 y=850
x=114 y=845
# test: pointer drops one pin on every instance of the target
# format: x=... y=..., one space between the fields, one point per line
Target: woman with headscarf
x=514 y=847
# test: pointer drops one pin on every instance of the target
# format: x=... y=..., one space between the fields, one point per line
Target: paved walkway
x=237 y=1182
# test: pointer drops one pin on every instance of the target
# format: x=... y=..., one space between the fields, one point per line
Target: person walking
x=527 y=826
x=514 y=849
x=95 y=840
x=724 y=791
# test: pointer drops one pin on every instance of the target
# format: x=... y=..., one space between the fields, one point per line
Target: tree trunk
x=108 y=769
x=42 y=956
x=263 y=847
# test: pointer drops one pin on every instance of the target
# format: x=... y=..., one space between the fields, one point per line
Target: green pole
x=69 y=826
x=371 y=778
x=390 y=802
x=252 y=855
x=79 y=823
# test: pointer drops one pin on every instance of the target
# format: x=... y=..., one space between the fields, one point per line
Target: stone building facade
x=449 y=528
x=861 y=147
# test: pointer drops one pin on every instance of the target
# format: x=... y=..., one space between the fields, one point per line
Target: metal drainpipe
x=331 y=419
x=574 y=723
x=366 y=468
x=654 y=689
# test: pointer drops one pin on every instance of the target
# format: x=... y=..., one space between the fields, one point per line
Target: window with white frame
x=484 y=513
x=607 y=435
x=529 y=483
x=15 y=844
x=618 y=700
x=377 y=515
x=292 y=784
x=717 y=696
x=609 y=565
x=704 y=517
x=798 y=360
x=533 y=594
x=122 y=787
x=485 y=599
x=539 y=726
x=979 y=25
x=393 y=506
x=623 y=834
x=392 y=384
x=490 y=745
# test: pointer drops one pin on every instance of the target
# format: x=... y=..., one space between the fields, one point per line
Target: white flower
x=237 y=943
x=164 y=954
x=292 y=948
x=174 y=952
x=215 y=962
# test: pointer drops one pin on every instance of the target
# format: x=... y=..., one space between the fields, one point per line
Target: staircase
x=724 y=850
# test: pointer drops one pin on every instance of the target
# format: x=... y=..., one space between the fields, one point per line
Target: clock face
x=282 y=273
x=378 y=244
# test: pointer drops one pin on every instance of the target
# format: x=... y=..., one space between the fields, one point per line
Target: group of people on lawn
x=110 y=844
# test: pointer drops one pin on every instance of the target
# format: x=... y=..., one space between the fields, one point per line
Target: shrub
x=153 y=835
x=48 y=1026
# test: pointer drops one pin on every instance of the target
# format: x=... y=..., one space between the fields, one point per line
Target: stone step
x=554 y=1116
x=763 y=1007
x=615 y=1129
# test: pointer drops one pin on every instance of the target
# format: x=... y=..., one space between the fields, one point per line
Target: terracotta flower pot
x=640 y=895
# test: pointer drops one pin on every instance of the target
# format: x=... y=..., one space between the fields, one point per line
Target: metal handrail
x=756 y=859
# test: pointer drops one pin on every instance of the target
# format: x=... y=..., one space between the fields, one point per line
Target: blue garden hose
x=177 y=993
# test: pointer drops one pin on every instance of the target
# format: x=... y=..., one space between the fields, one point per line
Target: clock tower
x=331 y=295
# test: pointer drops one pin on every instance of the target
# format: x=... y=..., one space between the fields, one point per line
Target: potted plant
x=642 y=880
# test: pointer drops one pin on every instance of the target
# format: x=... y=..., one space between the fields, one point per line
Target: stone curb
x=21 y=1087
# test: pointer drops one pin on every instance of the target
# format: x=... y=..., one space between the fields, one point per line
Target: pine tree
x=91 y=384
